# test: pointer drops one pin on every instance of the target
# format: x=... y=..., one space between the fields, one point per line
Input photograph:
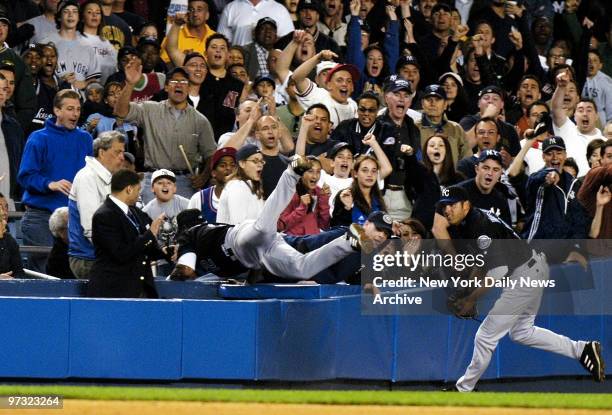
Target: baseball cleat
x=358 y=239
x=300 y=164
x=592 y=360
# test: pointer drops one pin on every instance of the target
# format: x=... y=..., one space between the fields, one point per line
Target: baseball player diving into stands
x=256 y=244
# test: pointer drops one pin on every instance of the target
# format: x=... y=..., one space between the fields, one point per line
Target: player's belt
x=229 y=252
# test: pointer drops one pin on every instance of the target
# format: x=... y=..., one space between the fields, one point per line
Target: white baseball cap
x=325 y=65
x=158 y=174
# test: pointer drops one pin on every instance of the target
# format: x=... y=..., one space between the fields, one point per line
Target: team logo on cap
x=389 y=141
x=387 y=219
x=483 y=242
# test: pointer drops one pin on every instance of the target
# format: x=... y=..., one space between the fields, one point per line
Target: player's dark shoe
x=300 y=164
x=592 y=360
x=358 y=239
x=450 y=388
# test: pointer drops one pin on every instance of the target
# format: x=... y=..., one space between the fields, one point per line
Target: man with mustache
x=167 y=125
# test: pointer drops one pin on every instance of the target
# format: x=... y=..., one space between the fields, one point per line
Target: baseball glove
x=460 y=305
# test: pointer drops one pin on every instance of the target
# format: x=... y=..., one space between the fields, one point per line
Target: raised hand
x=327 y=55
x=390 y=10
x=603 y=196
x=516 y=38
x=133 y=71
x=180 y=19
x=354 y=7
x=369 y=140
x=563 y=78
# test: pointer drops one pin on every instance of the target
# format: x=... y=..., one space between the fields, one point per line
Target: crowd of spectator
x=393 y=102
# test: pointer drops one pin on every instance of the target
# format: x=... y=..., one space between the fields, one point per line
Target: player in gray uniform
x=255 y=244
x=515 y=310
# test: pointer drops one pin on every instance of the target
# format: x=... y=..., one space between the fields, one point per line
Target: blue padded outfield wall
x=305 y=333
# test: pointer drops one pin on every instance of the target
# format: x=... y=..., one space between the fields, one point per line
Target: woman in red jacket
x=308 y=211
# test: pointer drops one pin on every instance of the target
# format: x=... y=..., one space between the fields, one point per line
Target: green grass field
x=524 y=400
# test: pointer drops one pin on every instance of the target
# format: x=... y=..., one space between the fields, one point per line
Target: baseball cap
x=553 y=143
x=490 y=154
x=246 y=151
x=331 y=154
x=453 y=75
x=309 y=4
x=440 y=6
x=382 y=221
x=163 y=173
x=350 y=68
x=396 y=83
x=406 y=60
x=265 y=20
x=491 y=89
x=127 y=50
x=220 y=153
x=148 y=40
x=453 y=195
x=4 y=18
x=263 y=78
x=324 y=65
x=434 y=90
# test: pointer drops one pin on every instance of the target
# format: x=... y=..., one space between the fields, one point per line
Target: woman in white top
x=242 y=197
x=90 y=26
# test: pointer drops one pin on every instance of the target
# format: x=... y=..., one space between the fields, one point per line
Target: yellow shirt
x=188 y=42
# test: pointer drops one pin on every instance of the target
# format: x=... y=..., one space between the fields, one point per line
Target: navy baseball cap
x=148 y=40
x=331 y=154
x=396 y=83
x=490 y=154
x=246 y=151
x=263 y=78
x=553 y=143
x=309 y=4
x=263 y=21
x=174 y=71
x=434 y=90
x=452 y=195
x=127 y=50
x=491 y=89
x=407 y=60
x=382 y=221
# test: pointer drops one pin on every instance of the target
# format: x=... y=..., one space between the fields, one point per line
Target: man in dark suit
x=125 y=243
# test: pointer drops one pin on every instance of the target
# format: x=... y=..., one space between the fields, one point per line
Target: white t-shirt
x=171 y=208
x=105 y=53
x=75 y=56
x=533 y=158
x=335 y=185
x=576 y=143
x=338 y=112
x=238 y=203
x=239 y=18
x=43 y=27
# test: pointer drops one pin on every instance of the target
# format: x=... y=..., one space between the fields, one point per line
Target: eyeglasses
x=485 y=132
x=176 y=82
x=257 y=162
x=367 y=110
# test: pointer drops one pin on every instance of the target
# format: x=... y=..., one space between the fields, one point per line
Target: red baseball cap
x=220 y=153
x=352 y=69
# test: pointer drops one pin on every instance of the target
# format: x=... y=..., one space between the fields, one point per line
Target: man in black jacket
x=354 y=130
x=125 y=240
